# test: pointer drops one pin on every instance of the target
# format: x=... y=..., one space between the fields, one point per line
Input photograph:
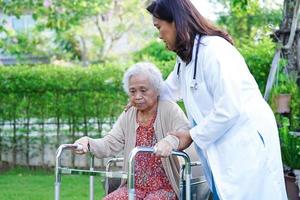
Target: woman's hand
x=84 y=142
x=185 y=139
x=163 y=148
x=128 y=106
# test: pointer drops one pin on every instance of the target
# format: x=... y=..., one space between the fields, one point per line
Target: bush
x=42 y=101
x=45 y=92
x=258 y=56
x=157 y=53
x=290 y=145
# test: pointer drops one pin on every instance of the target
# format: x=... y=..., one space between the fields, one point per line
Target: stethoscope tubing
x=194 y=82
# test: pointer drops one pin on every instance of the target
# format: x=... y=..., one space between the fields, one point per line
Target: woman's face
x=142 y=94
x=167 y=32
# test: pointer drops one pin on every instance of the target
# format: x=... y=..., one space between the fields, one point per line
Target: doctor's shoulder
x=215 y=44
x=215 y=49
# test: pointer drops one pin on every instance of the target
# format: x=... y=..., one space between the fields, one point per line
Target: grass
x=26 y=184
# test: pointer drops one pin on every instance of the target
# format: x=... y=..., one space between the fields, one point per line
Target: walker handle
x=136 y=150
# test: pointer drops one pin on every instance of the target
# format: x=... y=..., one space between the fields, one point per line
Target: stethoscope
x=194 y=84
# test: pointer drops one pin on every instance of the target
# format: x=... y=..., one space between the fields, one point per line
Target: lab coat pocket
x=263 y=148
x=261 y=138
x=247 y=152
x=260 y=144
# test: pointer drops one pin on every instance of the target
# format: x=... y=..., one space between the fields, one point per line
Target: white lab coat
x=235 y=129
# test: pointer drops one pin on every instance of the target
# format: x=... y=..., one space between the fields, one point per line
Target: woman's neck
x=149 y=112
x=145 y=115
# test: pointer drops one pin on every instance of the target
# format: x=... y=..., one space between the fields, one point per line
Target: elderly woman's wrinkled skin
x=142 y=94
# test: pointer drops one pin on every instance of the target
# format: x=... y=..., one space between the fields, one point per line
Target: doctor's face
x=167 y=32
x=142 y=94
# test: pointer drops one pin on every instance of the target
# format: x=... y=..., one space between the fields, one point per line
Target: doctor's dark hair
x=188 y=22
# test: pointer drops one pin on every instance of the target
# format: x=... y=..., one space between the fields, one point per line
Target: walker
x=190 y=188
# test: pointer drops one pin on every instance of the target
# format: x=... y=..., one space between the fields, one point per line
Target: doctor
x=234 y=129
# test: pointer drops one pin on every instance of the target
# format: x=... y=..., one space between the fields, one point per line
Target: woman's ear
x=173 y=25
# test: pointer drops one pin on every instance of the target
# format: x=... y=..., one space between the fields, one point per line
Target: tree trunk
x=289 y=35
x=288 y=38
x=14 y=143
x=72 y=131
x=27 y=136
x=43 y=142
x=58 y=113
x=27 y=141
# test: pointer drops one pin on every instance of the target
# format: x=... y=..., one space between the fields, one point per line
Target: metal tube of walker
x=131 y=163
x=92 y=178
x=57 y=172
x=107 y=168
x=59 y=152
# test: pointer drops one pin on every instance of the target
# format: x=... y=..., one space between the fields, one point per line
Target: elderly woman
x=145 y=124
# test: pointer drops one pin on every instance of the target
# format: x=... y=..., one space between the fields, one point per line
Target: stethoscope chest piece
x=194 y=85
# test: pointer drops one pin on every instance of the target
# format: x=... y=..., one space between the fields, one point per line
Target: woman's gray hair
x=146 y=68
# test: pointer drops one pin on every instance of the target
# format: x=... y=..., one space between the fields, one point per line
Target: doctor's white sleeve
x=223 y=84
x=170 y=88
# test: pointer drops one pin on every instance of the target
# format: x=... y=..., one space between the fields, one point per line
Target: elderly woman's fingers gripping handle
x=82 y=145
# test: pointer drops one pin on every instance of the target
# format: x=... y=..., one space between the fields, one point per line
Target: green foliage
x=156 y=50
x=20 y=44
x=288 y=124
x=247 y=19
x=241 y=4
x=295 y=109
x=287 y=84
x=290 y=145
x=80 y=30
x=284 y=84
x=81 y=99
x=59 y=15
x=61 y=92
x=258 y=56
x=157 y=53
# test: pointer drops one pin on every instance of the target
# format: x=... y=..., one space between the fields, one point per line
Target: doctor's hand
x=84 y=142
x=128 y=106
x=163 y=148
x=184 y=137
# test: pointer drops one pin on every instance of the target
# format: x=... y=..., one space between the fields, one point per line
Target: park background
x=61 y=70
